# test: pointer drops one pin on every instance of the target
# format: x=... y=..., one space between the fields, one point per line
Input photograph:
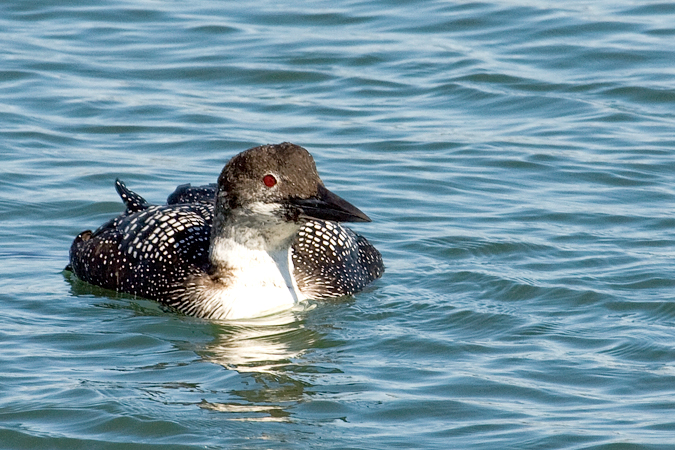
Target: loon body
x=263 y=239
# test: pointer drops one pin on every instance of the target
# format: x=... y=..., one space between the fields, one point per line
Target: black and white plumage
x=262 y=239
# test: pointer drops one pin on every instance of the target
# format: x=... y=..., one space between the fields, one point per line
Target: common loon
x=263 y=239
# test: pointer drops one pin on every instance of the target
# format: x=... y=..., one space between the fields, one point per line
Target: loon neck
x=228 y=253
x=244 y=238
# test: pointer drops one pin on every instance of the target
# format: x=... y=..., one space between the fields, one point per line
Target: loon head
x=268 y=192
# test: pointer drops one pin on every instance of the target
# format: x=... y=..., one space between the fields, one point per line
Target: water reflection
x=268 y=354
x=261 y=345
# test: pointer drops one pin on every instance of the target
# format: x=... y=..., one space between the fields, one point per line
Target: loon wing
x=136 y=252
x=331 y=260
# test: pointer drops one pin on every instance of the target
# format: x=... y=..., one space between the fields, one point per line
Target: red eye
x=269 y=180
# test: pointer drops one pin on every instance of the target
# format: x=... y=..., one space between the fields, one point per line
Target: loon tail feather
x=132 y=200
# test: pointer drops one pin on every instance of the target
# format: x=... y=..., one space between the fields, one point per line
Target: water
x=517 y=159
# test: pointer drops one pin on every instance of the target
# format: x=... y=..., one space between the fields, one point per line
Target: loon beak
x=327 y=206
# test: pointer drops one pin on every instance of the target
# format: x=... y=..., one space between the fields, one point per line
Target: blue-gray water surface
x=517 y=159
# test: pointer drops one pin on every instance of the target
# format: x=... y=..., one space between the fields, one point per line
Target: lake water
x=517 y=159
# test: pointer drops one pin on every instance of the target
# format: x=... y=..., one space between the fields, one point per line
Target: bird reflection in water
x=264 y=351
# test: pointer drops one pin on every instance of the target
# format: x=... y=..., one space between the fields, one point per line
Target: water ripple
x=516 y=158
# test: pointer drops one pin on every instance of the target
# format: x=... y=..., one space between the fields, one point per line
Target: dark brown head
x=281 y=180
